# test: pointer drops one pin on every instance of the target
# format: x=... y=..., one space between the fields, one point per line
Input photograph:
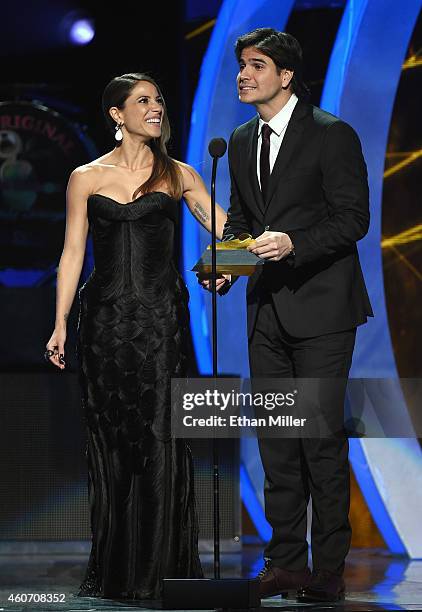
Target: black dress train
x=133 y=329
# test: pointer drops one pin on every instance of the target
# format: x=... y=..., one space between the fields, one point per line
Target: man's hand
x=205 y=280
x=272 y=246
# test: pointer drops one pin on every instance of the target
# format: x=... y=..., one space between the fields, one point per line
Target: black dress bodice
x=133 y=247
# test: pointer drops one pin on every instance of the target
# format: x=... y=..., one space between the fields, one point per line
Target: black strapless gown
x=133 y=329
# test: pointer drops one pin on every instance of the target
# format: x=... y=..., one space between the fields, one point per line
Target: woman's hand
x=55 y=348
x=220 y=281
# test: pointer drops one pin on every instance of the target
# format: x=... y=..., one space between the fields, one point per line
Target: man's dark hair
x=282 y=48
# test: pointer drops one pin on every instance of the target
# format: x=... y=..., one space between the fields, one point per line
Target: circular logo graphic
x=38 y=150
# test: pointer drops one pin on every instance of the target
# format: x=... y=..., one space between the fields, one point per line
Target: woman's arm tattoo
x=200 y=213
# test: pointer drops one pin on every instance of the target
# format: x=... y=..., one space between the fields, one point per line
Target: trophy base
x=236 y=269
x=203 y=593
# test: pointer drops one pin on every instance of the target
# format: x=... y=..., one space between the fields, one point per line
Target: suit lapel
x=290 y=141
x=253 y=177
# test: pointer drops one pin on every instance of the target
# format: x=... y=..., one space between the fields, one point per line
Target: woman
x=133 y=330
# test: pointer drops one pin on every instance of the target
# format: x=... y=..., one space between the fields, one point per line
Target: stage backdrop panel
x=43 y=473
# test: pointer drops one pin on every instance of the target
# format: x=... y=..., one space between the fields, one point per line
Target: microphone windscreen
x=217 y=147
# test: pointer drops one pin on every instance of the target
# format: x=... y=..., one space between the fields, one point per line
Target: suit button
x=267 y=227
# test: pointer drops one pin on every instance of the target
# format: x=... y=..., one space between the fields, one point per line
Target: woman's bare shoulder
x=88 y=174
x=190 y=175
x=96 y=166
x=182 y=166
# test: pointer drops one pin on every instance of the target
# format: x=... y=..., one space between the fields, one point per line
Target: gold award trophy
x=232 y=258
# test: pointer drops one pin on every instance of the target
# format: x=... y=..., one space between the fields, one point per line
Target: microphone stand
x=202 y=593
x=216 y=476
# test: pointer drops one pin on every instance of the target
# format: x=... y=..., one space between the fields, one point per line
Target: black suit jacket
x=318 y=195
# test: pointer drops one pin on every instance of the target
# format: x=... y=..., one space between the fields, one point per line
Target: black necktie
x=264 y=160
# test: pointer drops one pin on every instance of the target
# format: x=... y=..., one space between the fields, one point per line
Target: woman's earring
x=119 y=134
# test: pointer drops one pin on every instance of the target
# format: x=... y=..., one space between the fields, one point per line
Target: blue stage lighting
x=78 y=28
x=82 y=31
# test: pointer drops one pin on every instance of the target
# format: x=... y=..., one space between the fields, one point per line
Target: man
x=299 y=185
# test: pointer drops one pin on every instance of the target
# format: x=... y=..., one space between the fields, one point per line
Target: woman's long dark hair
x=164 y=168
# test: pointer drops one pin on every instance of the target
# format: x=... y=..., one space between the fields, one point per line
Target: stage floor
x=375 y=580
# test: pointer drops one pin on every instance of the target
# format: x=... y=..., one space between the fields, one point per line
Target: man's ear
x=286 y=78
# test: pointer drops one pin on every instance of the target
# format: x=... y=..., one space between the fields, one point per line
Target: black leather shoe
x=324 y=586
x=277 y=581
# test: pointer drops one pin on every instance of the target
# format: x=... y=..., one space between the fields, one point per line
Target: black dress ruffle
x=133 y=330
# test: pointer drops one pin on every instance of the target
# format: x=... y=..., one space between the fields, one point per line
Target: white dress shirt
x=278 y=124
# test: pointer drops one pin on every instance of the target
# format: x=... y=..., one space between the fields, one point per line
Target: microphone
x=217 y=147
